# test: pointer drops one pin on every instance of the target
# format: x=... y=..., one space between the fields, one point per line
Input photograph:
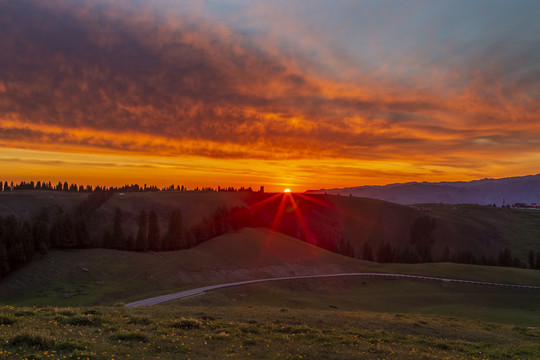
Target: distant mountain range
x=523 y=189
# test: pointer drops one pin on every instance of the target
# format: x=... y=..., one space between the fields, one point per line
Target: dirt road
x=198 y=291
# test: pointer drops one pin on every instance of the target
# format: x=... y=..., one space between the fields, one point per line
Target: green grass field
x=247 y=332
x=99 y=277
x=61 y=306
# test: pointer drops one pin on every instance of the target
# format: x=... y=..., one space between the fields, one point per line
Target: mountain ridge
x=487 y=191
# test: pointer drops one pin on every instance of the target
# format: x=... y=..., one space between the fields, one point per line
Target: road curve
x=198 y=291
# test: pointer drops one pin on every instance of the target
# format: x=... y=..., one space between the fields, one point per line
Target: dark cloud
x=106 y=69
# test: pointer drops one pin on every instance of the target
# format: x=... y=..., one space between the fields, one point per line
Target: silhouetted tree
x=68 y=232
x=220 y=223
x=130 y=243
x=107 y=239
x=420 y=233
x=344 y=247
x=154 y=238
x=81 y=233
x=445 y=256
x=203 y=230
x=532 y=265
x=119 y=241
x=27 y=240
x=4 y=260
x=367 y=253
x=505 y=258
x=174 y=239
x=141 y=242
x=16 y=254
x=385 y=254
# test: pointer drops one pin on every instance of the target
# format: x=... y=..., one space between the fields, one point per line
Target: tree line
x=65 y=186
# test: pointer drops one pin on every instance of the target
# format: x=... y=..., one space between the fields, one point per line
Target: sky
x=300 y=94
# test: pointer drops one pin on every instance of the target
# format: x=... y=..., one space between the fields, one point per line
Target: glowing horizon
x=258 y=94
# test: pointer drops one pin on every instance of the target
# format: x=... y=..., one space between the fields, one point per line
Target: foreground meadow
x=197 y=332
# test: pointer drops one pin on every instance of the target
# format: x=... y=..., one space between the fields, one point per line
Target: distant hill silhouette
x=524 y=189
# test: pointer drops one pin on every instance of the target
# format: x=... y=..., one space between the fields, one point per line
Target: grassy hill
x=485 y=229
x=24 y=204
x=319 y=219
x=100 y=276
x=105 y=277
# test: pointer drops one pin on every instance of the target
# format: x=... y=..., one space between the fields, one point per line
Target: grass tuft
x=6 y=320
x=187 y=324
x=130 y=337
x=139 y=321
x=32 y=341
x=69 y=345
x=24 y=313
x=79 y=320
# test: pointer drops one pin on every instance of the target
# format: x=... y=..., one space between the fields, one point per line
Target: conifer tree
x=107 y=240
x=130 y=243
x=154 y=239
x=4 y=260
x=174 y=239
x=119 y=240
x=141 y=242
x=368 y=252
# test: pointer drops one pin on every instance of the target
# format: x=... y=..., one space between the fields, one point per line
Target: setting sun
x=287 y=190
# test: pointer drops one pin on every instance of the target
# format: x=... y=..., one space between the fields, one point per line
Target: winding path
x=204 y=289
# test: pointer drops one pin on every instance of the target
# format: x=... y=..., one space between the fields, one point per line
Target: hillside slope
x=99 y=276
x=338 y=223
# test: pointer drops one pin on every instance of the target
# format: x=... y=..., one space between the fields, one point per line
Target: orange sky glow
x=257 y=94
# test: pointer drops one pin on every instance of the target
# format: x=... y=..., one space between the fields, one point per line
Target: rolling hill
x=104 y=277
x=338 y=223
x=100 y=276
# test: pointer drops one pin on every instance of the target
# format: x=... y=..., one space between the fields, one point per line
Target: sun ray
x=263 y=202
x=310 y=238
x=279 y=212
x=318 y=201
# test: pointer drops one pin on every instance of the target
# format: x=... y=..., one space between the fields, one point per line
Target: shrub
x=187 y=324
x=24 y=313
x=250 y=329
x=91 y=312
x=83 y=321
x=32 y=341
x=78 y=320
x=294 y=330
x=6 y=320
x=130 y=336
x=140 y=321
x=69 y=345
